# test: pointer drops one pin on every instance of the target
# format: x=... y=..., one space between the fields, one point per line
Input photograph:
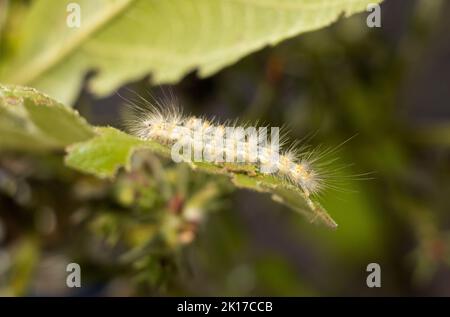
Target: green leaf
x=31 y=121
x=111 y=149
x=105 y=153
x=124 y=40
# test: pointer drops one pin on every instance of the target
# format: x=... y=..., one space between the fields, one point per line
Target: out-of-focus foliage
x=165 y=38
x=133 y=227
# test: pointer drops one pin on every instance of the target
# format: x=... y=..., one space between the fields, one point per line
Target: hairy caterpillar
x=164 y=121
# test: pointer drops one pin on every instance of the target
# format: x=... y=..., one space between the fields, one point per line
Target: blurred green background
x=389 y=87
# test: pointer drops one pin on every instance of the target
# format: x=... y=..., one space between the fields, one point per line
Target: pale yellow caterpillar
x=165 y=122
